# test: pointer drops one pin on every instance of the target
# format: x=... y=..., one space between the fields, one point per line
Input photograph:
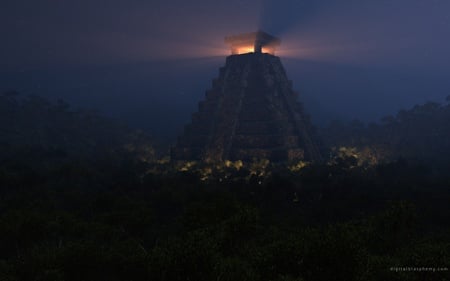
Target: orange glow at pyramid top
x=253 y=42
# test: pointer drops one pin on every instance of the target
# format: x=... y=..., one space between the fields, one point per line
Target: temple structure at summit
x=251 y=111
x=254 y=42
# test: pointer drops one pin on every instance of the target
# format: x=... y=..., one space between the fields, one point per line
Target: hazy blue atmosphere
x=137 y=143
x=150 y=62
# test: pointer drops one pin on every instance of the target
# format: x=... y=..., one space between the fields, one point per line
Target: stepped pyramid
x=250 y=112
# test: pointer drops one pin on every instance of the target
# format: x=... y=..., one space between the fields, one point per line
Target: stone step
x=265 y=141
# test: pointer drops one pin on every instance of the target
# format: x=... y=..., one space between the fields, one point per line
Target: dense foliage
x=421 y=133
x=320 y=223
x=72 y=213
x=33 y=125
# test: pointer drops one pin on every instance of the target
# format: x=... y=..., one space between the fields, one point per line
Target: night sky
x=150 y=62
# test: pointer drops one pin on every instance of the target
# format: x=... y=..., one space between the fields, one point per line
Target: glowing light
x=187 y=166
x=268 y=50
x=251 y=49
x=254 y=42
x=243 y=50
x=298 y=166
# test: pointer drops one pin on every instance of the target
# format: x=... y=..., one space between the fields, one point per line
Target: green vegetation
x=72 y=213
x=321 y=223
x=421 y=133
